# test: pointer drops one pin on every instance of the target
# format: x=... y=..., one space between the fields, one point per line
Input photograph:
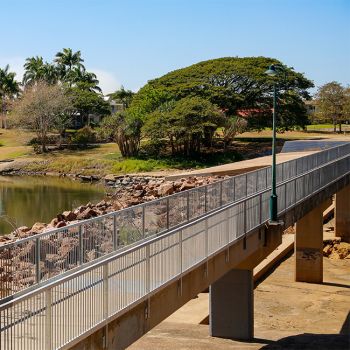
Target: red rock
x=61 y=224
x=38 y=227
x=138 y=187
x=187 y=186
x=87 y=214
x=69 y=215
x=166 y=189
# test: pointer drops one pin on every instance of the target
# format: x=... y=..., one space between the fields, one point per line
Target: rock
x=109 y=177
x=54 y=222
x=101 y=204
x=327 y=250
x=69 y=215
x=139 y=193
x=61 y=224
x=187 y=186
x=23 y=229
x=138 y=187
x=166 y=189
x=87 y=214
x=38 y=227
x=85 y=178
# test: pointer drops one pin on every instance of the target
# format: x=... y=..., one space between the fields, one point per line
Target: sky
x=128 y=42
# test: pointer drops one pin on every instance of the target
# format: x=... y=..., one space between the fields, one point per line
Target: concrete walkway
x=240 y=167
x=288 y=315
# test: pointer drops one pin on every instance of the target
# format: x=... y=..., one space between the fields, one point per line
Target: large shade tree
x=233 y=84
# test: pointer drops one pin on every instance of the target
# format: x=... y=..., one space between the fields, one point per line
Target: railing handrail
x=117 y=254
x=86 y=221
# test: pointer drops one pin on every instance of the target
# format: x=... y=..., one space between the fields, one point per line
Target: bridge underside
x=235 y=262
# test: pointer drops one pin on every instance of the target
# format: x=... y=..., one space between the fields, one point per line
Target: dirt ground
x=288 y=315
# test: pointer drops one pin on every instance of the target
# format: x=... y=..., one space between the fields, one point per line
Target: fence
x=30 y=261
x=54 y=315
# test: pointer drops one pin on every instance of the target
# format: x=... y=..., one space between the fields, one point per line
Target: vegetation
x=40 y=109
x=9 y=89
x=333 y=103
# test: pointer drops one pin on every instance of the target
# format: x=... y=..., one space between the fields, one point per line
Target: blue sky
x=131 y=41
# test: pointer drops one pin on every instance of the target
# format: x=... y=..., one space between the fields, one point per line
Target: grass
x=106 y=158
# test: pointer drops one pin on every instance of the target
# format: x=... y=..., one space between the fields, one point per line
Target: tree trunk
x=340 y=127
x=334 y=125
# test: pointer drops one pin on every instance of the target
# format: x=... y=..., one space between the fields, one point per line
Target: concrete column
x=309 y=246
x=231 y=306
x=342 y=214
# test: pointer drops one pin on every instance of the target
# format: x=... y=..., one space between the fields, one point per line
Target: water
x=26 y=200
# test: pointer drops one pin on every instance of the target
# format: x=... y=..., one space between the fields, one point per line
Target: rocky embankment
x=126 y=191
x=334 y=249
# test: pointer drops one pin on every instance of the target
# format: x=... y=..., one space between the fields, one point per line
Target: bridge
x=104 y=282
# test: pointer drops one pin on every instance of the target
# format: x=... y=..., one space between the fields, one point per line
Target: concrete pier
x=231 y=306
x=341 y=214
x=309 y=246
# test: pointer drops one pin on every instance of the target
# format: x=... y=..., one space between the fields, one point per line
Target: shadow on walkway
x=309 y=341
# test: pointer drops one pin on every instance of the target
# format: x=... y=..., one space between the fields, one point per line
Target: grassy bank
x=106 y=159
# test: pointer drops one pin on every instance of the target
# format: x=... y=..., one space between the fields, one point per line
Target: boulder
x=69 y=215
x=187 y=186
x=61 y=224
x=87 y=214
x=38 y=227
x=166 y=189
x=109 y=177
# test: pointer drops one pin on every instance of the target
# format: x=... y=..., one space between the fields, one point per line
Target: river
x=26 y=200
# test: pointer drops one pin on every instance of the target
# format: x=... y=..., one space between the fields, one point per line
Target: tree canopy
x=233 y=84
x=333 y=102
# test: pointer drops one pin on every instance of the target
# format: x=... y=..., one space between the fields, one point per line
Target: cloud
x=16 y=65
x=108 y=81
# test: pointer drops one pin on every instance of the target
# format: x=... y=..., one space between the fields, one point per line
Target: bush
x=84 y=136
x=153 y=148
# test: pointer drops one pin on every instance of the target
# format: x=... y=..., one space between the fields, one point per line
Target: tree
x=9 y=88
x=37 y=70
x=123 y=96
x=40 y=109
x=66 y=61
x=330 y=99
x=188 y=125
x=86 y=102
x=233 y=84
x=124 y=128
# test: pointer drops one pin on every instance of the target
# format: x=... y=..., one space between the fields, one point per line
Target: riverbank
x=126 y=192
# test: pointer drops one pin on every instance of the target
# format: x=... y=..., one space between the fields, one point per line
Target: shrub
x=84 y=136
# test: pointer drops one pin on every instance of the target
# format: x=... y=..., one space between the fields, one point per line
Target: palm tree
x=123 y=96
x=9 y=89
x=67 y=60
x=33 y=70
x=84 y=80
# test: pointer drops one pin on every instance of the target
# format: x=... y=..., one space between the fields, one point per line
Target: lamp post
x=272 y=72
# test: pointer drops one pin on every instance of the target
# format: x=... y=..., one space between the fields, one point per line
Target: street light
x=272 y=72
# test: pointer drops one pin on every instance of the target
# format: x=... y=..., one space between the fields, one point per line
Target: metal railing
x=27 y=262
x=69 y=308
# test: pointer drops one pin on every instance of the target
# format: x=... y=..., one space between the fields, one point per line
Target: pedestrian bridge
x=104 y=282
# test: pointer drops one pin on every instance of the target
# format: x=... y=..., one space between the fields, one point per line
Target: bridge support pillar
x=309 y=245
x=342 y=214
x=231 y=309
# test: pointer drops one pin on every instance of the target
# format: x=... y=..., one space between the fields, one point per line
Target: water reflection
x=38 y=199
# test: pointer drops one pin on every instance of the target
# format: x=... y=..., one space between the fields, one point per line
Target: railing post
x=180 y=251
x=260 y=209
x=81 y=246
x=105 y=290
x=205 y=199
x=143 y=221
x=188 y=205
x=48 y=319
x=167 y=213
x=221 y=200
x=148 y=269
x=115 y=233
x=37 y=259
